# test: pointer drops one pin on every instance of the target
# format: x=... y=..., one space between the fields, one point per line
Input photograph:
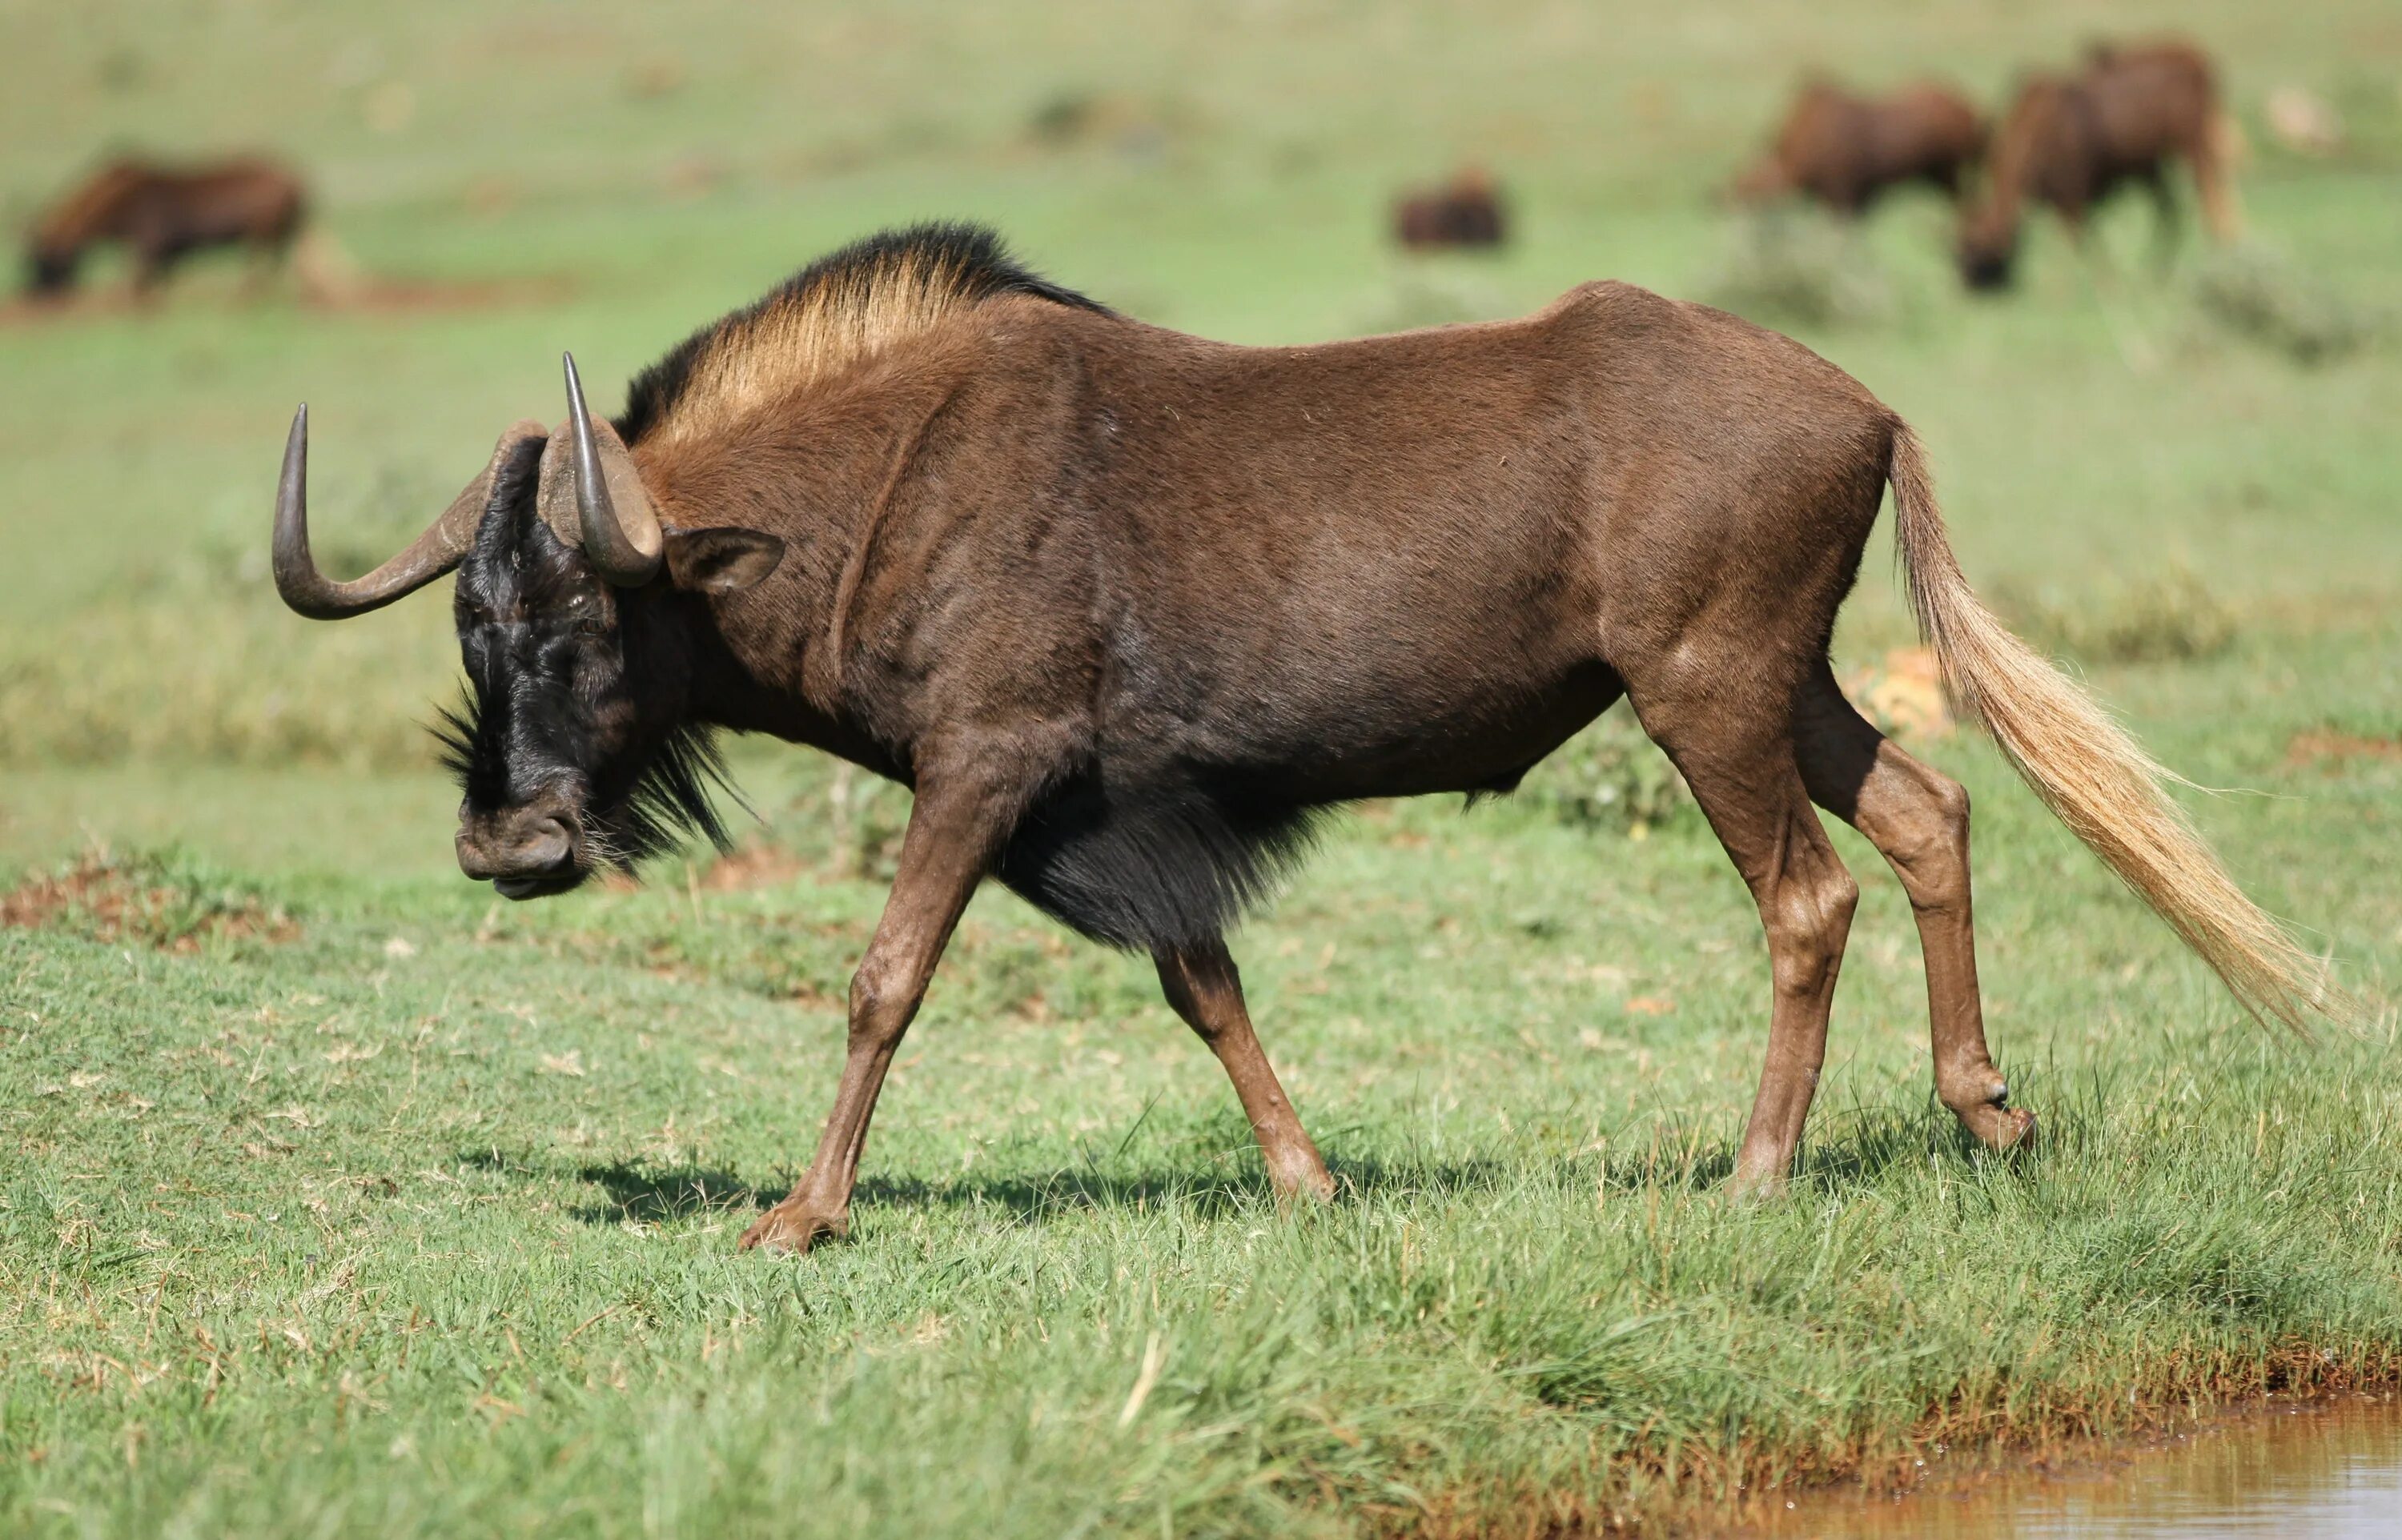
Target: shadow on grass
x=1858 y=1146
x=1854 y=1147
x=654 y=1194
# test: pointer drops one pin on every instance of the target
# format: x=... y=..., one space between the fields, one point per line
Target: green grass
x=339 y=1200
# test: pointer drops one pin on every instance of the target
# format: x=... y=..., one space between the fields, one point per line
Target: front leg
x=952 y=835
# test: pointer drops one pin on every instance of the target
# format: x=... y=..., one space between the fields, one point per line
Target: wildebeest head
x=575 y=746
x=49 y=268
x=1987 y=250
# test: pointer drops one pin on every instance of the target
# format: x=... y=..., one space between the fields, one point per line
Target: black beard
x=668 y=804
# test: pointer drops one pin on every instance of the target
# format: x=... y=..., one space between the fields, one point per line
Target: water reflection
x=2332 y=1470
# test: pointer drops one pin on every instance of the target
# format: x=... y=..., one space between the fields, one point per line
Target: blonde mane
x=857 y=304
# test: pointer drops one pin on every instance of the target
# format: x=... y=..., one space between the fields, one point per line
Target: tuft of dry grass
x=1784 y=266
x=1430 y=295
x=2254 y=292
x=2170 y=616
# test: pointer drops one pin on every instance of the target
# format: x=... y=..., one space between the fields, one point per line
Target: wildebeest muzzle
x=528 y=851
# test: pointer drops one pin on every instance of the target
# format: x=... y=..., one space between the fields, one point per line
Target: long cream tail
x=2097 y=779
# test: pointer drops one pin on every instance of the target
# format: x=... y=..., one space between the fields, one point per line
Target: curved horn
x=621 y=531
x=437 y=551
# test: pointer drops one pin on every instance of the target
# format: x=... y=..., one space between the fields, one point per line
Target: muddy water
x=2331 y=1471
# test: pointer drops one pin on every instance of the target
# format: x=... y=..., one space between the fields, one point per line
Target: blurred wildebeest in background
x=1464 y=211
x=163 y=214
x=1847 y=150
x=1127 y=609
x=2069 y=141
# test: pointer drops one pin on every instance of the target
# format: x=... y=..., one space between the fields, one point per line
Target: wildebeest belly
x=1181 y=823
x=1343 y=579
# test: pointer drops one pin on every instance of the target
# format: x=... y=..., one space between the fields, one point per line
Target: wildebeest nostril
x=534 y=847
x=544 y=845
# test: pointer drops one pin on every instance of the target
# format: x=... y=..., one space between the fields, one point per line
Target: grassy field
x=336 y=1199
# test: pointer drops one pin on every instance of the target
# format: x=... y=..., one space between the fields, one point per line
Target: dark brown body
x=1158 y=548
x=2070 y=141
x=1435 y=556
x=1125 y=607
x=1846 y=151
x=163 y=214
x=1466 y=211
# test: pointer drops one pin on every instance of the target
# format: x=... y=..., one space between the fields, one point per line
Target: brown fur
x=1846 y=151
x=2070 y=141
x=163 y=214
x=1464 y=211
x=1123 y=606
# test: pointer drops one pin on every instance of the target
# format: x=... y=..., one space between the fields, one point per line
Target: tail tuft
x=2093 y=776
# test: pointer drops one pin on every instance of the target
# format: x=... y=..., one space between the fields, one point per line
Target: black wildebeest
x=1464 y=212
x=1846 y=150
x=1124 y=607
x=164 y=213
x=2070 y=141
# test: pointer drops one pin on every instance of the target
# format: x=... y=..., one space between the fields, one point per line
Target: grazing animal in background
x=163 y=214
x=1466 y=211
x=1846 y=151
x=1127 y=609
x=2070 y=141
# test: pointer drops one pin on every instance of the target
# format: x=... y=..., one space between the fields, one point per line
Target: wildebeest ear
x=722 y=560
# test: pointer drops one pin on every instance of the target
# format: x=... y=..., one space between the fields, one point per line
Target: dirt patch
x=1903 y=694
x=749 y=867
x=2325 y=745
x=412 y=297
x=108 y=900
x=365 y=297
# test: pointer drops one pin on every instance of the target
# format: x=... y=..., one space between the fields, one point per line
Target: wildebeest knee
x=880 y=1004
x=1808 y=922
x=1933 y=851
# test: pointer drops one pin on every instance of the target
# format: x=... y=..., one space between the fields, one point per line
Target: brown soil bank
x=1976 y=1457
x=2327 y=1468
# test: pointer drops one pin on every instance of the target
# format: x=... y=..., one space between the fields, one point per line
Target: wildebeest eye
x=585 y=616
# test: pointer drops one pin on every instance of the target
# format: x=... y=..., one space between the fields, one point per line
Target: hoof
x=1307 y=1188
x=791 y=1227
x=1756 y=1187
x=1992 y=1121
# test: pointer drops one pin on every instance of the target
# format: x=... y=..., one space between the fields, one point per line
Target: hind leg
x=2167 y=220
x=261 y=262
x=1203 y=986
x=1731 y=736
x=1918 y=820
x=2210 y=181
